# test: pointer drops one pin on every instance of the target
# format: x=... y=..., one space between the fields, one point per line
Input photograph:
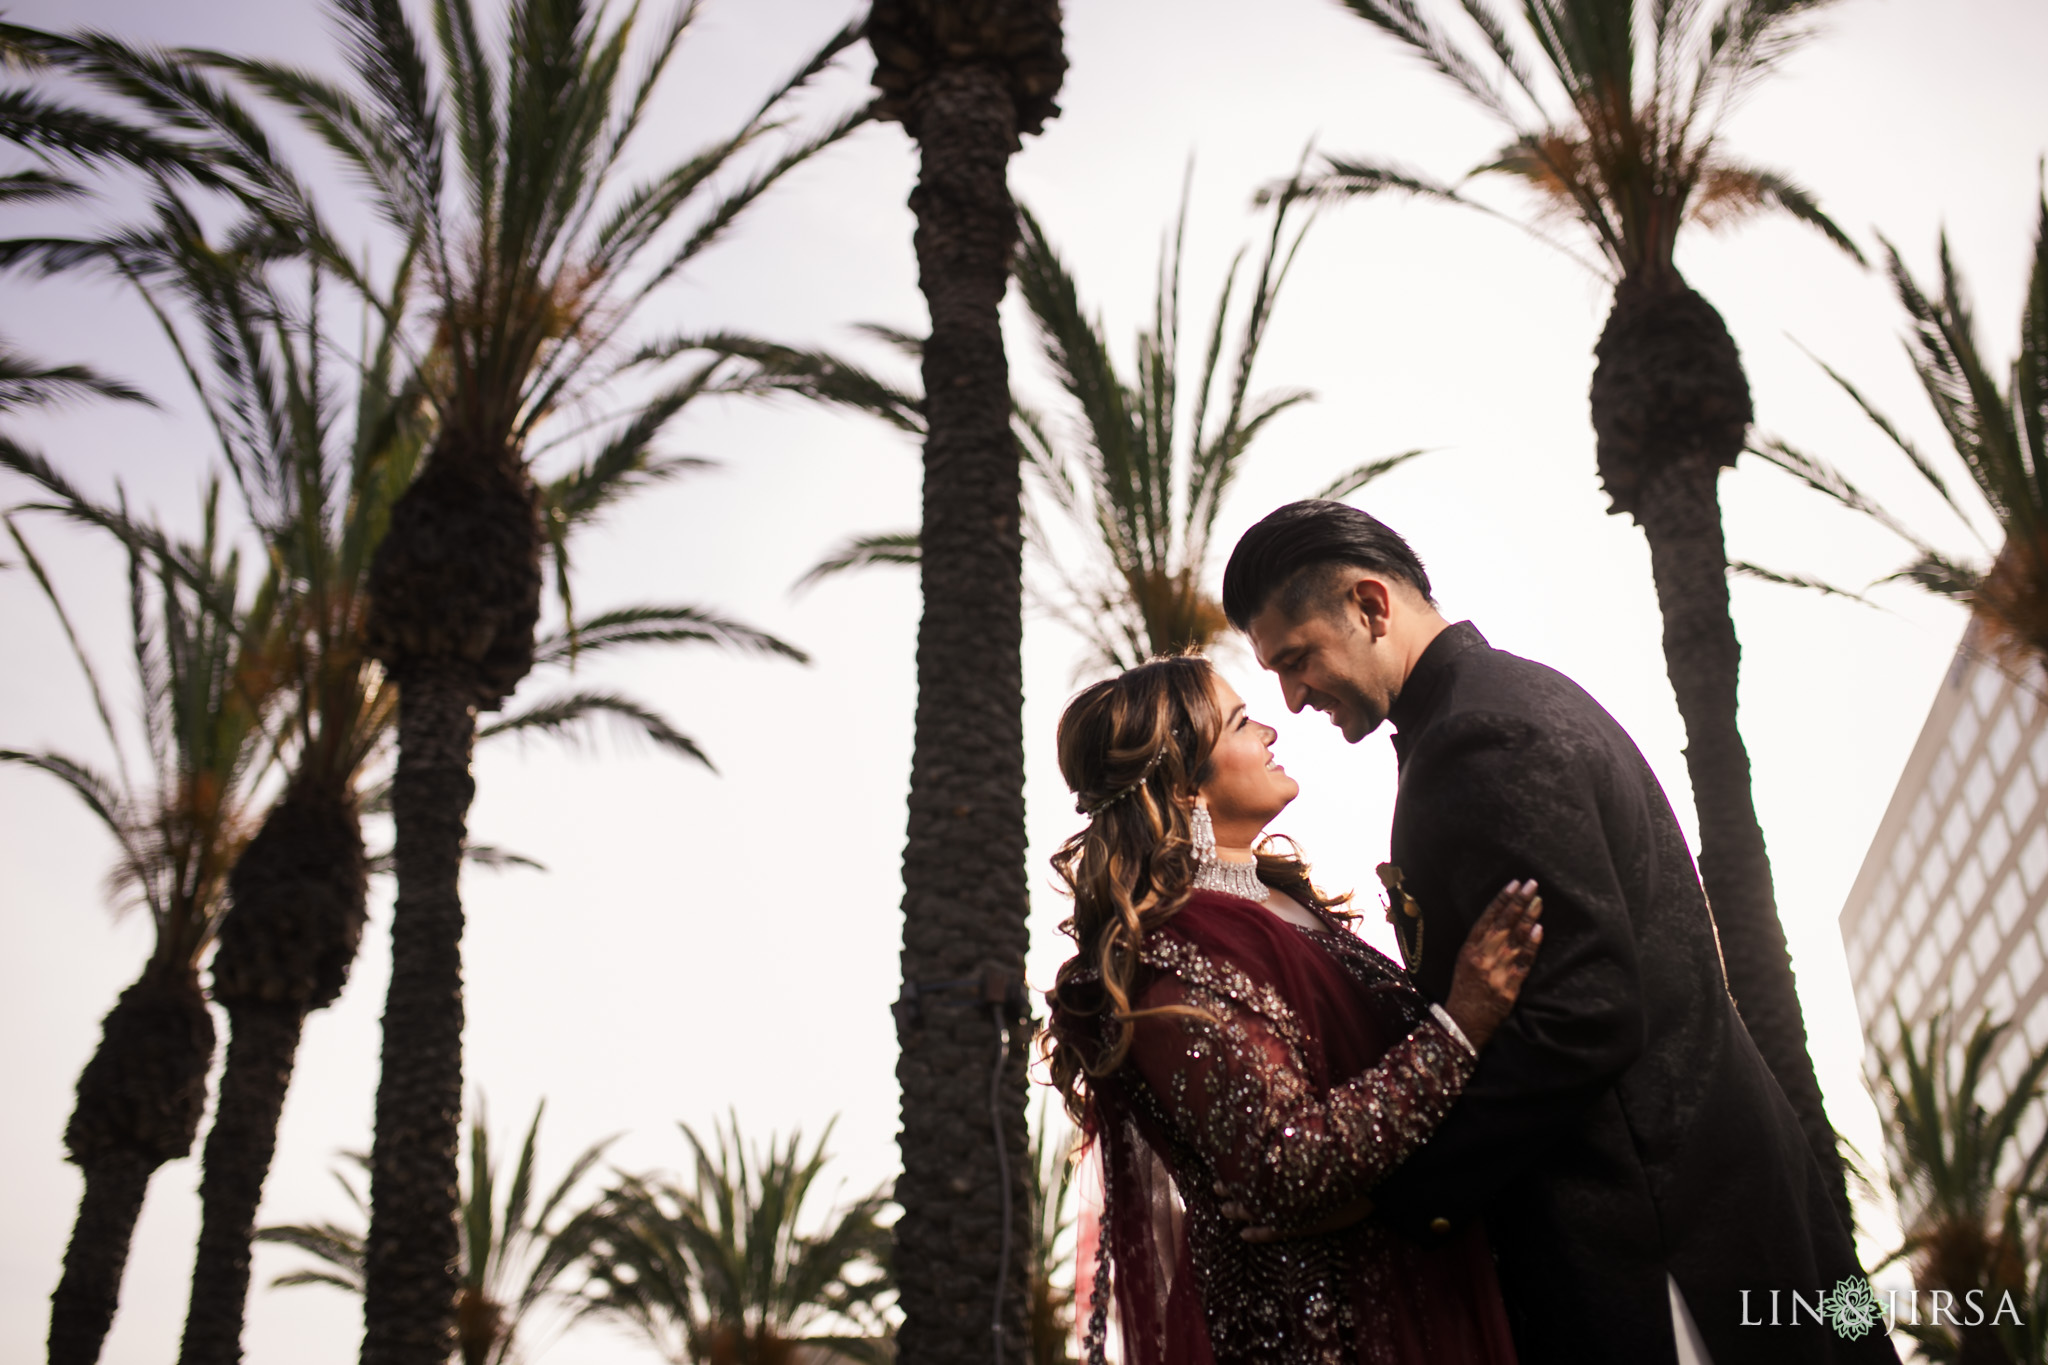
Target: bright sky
x=710 y=942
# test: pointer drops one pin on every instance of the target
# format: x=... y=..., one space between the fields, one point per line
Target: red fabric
x=1421 y=1307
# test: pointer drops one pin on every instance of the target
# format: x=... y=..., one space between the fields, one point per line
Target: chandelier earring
x=1211 y=872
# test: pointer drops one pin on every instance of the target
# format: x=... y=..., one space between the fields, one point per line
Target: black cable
x=995 y=1114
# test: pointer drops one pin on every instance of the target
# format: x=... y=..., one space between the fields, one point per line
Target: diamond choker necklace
x=1233 y=879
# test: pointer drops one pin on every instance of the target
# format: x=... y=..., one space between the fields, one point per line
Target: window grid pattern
x=1950 y=909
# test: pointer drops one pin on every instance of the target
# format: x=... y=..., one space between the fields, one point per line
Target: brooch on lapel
x=1404 y=912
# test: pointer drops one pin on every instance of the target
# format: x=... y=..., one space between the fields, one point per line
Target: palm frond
x=1346 y=177
x=900 y=548
x=1622 y=161
x=84 y=137
x=1825 y=479
x=338 y=1247
x=1725 y=185
x=101 y=794
x=1405 y=20
x=34 y=564
x=25 y=383
x=473 y=90
x=570 y=716
x=820 y=376
x=1922 y=465
x=229 y=148
x=388 y=58
x=907 y=344
x=1357 y=477
x=660 y=624
x=38 y=187
x=625 y=464
x=1943 y=577
x=1742 y=568
x=497 y=859
x=1994 y=431
x=332 y=115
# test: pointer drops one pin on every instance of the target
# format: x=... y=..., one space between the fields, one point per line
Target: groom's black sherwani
x=1621 y=1124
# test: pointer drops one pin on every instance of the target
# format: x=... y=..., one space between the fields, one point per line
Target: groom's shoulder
x=1489 y=680
x=1499 y=702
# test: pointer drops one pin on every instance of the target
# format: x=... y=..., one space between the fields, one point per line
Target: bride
x=1238 y=1053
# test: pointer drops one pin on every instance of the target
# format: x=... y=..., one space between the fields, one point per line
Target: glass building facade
x=1947 y=910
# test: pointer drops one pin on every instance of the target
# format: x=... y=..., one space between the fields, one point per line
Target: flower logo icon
x=1851 y=1308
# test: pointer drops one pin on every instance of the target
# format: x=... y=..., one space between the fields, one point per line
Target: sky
x=710 y=943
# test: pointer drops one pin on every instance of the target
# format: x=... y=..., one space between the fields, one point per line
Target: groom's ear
x=1370 y=604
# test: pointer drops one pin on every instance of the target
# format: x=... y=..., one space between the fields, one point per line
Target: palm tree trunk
x=1680 y=513
x=295 y=919
x=139 y=1102
x=82 y=1309
x=1671 y=408
x=263 y=1042
x=411 y=1258
x=964 y=899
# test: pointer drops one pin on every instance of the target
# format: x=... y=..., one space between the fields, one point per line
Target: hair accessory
x=1212 y=873
x=1083 y=807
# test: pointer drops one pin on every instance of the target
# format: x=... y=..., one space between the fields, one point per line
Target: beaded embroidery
x=1229 y=1094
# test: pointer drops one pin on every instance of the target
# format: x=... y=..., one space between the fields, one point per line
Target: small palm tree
x=1969 y=1196
x=1135 y=491
x=208 y=670
x=1055 y=1147
x=721 y=1271
x=517 y=1243
x=1999 y=432
x=1632 y=154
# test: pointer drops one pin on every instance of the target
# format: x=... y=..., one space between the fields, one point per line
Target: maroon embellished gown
x=1313 y=1069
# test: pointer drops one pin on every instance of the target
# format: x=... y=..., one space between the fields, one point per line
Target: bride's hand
x=1495 y=959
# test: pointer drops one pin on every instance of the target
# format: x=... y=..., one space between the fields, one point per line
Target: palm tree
x=720 y=1271
x=1968 y=1193
x=1670 y=401
x=1998 y=432
x=1136 y=493
x=141 y=1095
x=514 y=1253
x=297 y=894
x=533 y=264
x=207 y=669
x=967 y=79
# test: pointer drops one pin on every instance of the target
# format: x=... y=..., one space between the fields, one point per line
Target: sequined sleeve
x=1233 y=1088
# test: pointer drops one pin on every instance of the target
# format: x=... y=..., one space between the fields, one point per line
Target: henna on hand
x=1495 y=960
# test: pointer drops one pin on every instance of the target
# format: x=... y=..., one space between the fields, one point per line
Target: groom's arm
x=1487 y=800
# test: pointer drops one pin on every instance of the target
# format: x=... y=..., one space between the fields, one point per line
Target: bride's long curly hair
x=1135 y=749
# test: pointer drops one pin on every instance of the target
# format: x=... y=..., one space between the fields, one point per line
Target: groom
x=1649 y=1195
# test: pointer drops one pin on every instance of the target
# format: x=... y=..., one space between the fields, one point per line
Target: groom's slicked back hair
x=1282 y=553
